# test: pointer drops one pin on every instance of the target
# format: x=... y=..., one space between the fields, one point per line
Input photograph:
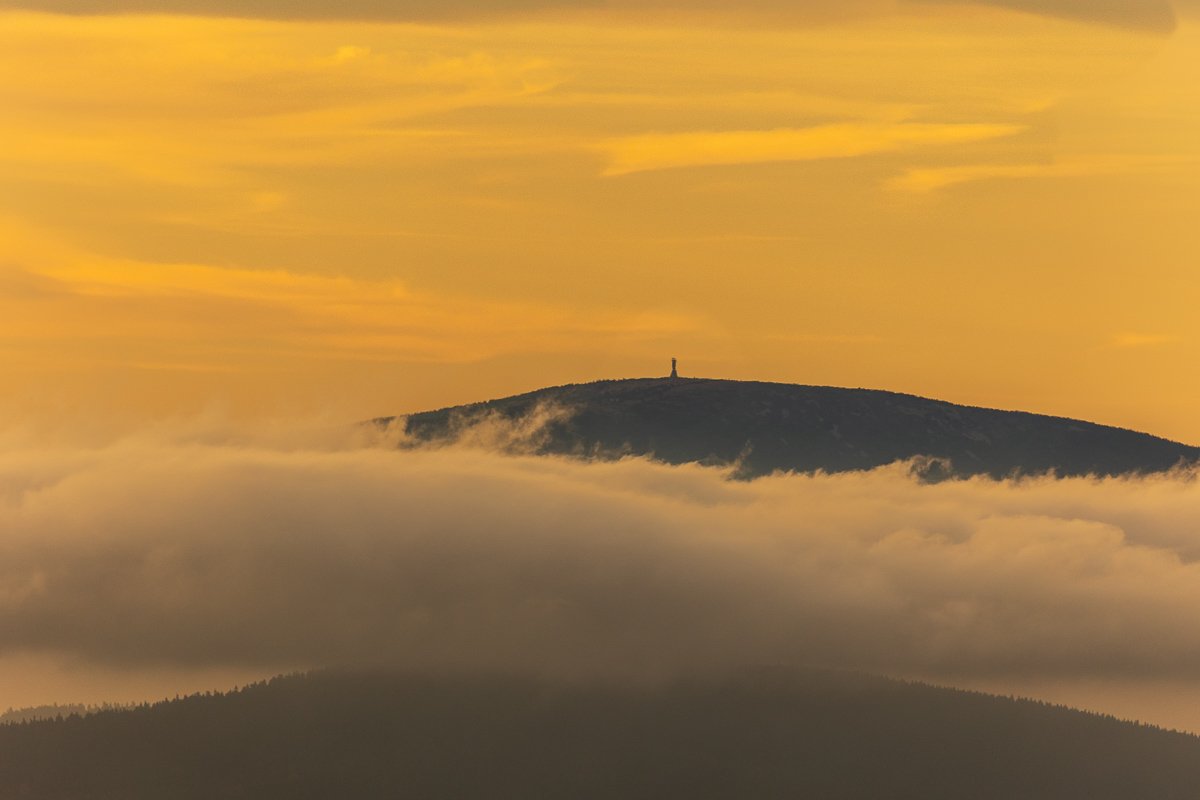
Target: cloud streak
x=210 y=553
x=1127 y=340
x=1151 y=15
x=196 y=316
x=1154 y=15
x=656 y=151
x=931 y=179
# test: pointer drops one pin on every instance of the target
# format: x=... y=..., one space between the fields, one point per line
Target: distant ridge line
x=767 y=427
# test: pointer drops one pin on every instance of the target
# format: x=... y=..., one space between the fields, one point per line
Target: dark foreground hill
x=767 y=427
x=762 y=735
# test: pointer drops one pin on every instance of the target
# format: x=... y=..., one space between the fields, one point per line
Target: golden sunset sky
x=264 y=211
x=369 y=208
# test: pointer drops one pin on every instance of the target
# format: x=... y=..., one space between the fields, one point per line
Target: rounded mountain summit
x=762 y=428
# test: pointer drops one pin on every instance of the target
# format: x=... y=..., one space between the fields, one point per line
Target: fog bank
x=198 y=552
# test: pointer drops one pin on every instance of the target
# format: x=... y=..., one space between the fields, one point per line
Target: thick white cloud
x=162 y=551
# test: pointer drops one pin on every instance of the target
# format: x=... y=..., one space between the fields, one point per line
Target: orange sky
x=352 y=218
x=251 y=220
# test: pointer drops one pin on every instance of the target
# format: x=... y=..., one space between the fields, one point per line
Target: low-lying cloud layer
x=192 y=553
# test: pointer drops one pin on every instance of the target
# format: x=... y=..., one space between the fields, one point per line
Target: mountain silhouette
x=767 y=427
x=760 y=734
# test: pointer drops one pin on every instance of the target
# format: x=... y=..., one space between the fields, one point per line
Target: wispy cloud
x=929 y=179
x=204 y=317
x=269 y=95
x=1155 y=15
x=657 y=151
x=1143 y=339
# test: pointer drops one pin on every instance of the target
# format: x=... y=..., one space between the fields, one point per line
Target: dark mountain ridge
x=760 y=734
x=770 y=427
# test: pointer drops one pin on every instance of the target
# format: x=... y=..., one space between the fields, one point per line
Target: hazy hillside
x=761 y=736
x=771 y=426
